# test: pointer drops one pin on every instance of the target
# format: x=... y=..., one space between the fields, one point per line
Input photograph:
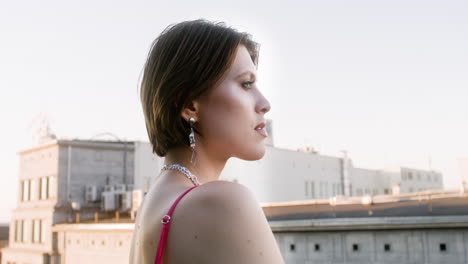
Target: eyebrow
x=247 y=72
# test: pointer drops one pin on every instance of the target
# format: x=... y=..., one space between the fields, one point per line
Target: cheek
x=227 y=118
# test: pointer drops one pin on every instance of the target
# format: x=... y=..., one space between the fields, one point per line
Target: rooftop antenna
x=40 y=129
x=430 y=162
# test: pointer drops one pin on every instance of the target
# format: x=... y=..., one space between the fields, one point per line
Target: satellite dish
x=40 y=129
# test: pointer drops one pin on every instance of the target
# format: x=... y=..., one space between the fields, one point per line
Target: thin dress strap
x=165 y=227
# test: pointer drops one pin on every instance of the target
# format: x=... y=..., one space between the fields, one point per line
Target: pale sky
x=385 y=80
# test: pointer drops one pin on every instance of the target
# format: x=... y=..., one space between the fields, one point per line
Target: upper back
x=217 y=222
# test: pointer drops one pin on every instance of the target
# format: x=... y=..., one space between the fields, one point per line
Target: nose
x=263 y=105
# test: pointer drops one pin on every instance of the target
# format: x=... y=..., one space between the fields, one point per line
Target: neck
x=206 y=167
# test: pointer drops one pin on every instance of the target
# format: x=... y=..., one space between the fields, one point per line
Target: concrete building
x=425 y=227
x=62 y=180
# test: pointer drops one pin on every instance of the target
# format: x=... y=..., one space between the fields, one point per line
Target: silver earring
x=192 y=137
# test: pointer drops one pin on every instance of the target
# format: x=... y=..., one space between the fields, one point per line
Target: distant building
x=287 y=175
x=63 y=180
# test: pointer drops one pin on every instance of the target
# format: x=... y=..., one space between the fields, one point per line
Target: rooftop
x=443 y=203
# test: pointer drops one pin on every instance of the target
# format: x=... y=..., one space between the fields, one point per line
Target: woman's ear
x=191 y=110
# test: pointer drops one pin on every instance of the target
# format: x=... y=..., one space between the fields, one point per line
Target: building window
x=312 y=189
x=44 y=188
x=387 y=247
x=306 y=188
x=317 y=247
x=36 y=231
x=443 y=247
x=22 y=237
x=410 y=189
x=43 y=231
x=292 y=247
x=16 y=238
x=355 y=247
x=410 y=176
x=386 y=191
x=51 y=183
x=33 y=238
x=26 y=190
x=23 y=231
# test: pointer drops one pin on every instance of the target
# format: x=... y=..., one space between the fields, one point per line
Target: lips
x=260 y=128
x=261 y=125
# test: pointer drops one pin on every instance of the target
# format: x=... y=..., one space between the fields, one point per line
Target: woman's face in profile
x=230 y=113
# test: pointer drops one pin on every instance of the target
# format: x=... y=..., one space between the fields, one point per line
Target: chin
x=253 y=154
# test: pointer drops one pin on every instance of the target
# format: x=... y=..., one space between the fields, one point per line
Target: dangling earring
x=192 y=137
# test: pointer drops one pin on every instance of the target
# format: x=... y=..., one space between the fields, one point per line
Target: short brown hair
x=184 y=62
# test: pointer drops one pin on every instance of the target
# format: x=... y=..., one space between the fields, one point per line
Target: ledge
x=374 y=223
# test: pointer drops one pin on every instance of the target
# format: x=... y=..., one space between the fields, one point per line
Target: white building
x=287 y=175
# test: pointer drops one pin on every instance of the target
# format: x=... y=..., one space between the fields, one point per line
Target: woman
x=202 y=107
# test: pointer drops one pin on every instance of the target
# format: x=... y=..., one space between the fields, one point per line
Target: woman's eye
x=247 y=85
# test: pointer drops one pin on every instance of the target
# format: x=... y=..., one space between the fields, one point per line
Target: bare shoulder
x=225 y=191
x=229 y=225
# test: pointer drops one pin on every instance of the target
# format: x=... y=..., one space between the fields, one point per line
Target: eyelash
x=248 y=83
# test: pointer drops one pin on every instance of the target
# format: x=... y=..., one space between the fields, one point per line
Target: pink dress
x=165 y=228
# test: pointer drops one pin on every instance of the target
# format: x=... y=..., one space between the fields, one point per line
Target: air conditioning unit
x=108 y=201
x=76 y=206
x=119 y=188
x=91 y=193
x=137 y=198
x=108 y=188
x=125 y=201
